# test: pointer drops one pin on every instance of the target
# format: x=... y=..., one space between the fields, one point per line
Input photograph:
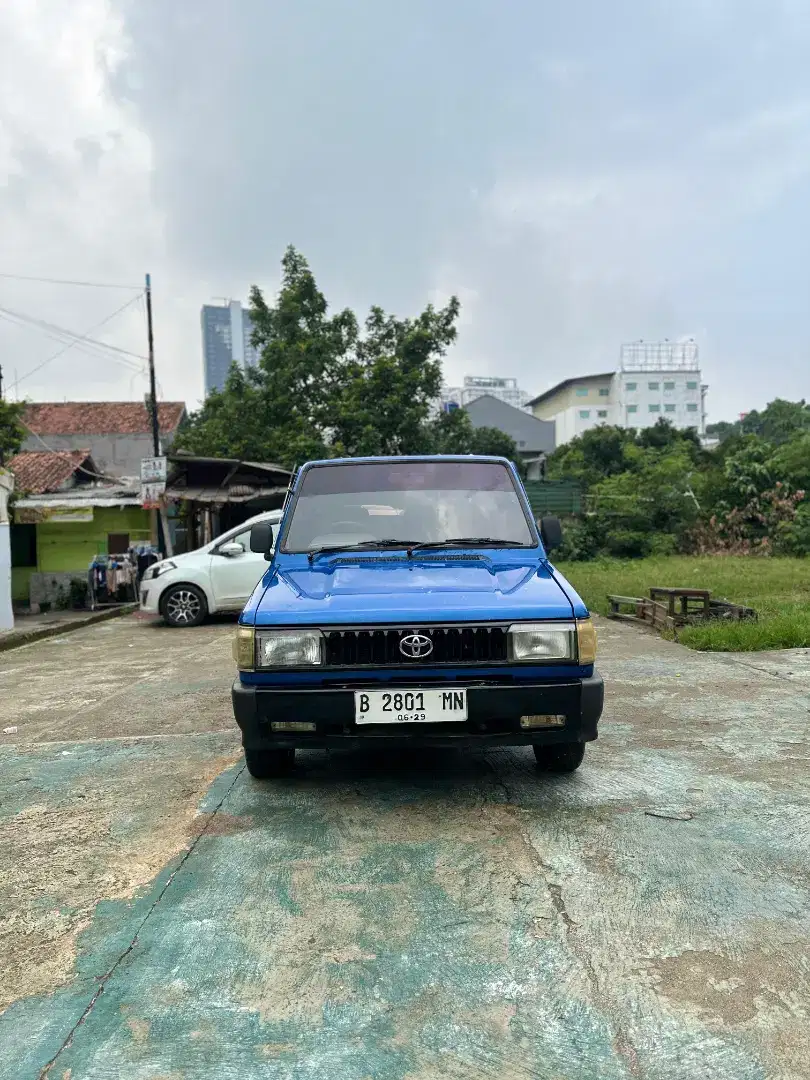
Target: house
x=65 y=513
x=534 y=437
x=655 y=379
x=118 y=434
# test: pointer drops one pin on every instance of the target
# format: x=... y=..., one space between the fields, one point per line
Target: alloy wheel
x=183 y=607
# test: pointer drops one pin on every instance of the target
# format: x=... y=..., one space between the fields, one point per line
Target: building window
x=602 y=413
x=604 y=391
x=653 y=385
x=691 y=407
x=582 y=391
x=669 y=385
x=691 y=385
x=632 y=408
x=655 y=408
x=630 y=386
x=584 y=414
x=669 y=408
x=521 y=443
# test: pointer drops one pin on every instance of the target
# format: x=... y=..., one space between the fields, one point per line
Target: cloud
x=581 y=175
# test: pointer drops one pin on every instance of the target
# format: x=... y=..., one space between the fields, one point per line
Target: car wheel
x=183 y=605
x=265 y=764
x=560 y=757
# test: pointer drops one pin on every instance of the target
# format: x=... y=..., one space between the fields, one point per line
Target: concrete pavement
x=406 y=917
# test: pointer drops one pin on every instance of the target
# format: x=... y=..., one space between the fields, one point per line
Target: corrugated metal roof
x=234 y=493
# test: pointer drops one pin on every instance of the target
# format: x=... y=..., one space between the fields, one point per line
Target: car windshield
x=423 y=502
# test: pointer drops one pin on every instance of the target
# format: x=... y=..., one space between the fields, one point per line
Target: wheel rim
x=183 y=607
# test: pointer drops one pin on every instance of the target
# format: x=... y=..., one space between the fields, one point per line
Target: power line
x=60 y=333
x=63 y=281
x=83 y=337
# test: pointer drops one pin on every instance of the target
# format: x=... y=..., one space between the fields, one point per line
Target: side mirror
x=232 y=550
x=550 y=532
x=261 y=538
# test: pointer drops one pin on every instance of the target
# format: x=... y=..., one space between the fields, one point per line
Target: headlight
x=288 y=648
x=157 y=569
x=543 y=641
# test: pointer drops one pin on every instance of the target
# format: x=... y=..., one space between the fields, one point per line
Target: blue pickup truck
x=410 y=601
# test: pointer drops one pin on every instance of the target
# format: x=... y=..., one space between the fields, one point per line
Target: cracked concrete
x=400 y=916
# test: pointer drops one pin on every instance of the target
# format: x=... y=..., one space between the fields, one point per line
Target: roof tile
x=100 y=417
x=39 y=471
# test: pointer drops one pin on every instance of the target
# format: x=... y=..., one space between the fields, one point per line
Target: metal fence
x=560 y=497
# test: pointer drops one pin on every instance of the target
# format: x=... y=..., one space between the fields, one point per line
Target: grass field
x=778 y=589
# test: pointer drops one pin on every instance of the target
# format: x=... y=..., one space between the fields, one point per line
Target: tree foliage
x=325 y=386
x=12 y=431
x=658 y=491
x=779 y=422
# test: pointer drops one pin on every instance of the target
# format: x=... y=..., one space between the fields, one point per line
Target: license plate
x=409 y=706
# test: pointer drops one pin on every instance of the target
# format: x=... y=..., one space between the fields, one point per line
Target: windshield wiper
x=362 y=545
x=468 y=541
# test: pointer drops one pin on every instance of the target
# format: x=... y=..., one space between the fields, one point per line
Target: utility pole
x=6 y=488
x=152 y=392
x=162 y=530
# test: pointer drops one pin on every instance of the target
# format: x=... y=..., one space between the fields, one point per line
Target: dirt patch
x=732 y=989
x=99 y=842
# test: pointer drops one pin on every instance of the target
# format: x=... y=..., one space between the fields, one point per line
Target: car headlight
x=543 y=642
x=254 y=649
x=157 y=569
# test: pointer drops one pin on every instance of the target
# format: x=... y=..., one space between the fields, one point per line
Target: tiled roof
x=39 y=471
x=100 y=417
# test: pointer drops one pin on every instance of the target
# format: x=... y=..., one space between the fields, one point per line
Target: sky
x=580 y=175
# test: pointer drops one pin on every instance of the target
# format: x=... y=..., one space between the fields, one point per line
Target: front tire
x=183 y=606
x=559 y=757
x=265 y=764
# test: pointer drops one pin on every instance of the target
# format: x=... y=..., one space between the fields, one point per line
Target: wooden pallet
x=668 y=609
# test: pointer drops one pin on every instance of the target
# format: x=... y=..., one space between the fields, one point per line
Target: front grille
x=451 y=645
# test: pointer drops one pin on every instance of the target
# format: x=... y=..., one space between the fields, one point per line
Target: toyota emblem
x=416 y=646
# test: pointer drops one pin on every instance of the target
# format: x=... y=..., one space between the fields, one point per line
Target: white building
x=654 y=379
x=476 y=386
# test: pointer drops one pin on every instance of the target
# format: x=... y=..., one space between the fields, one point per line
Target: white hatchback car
x=218 y=577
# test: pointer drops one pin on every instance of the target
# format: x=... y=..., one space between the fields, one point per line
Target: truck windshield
x=412 y=502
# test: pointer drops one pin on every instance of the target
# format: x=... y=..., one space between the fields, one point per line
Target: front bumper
x=493 y=716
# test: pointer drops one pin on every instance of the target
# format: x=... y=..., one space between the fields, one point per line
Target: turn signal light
x=586 y=641
x=291 y=725
x=244 y=649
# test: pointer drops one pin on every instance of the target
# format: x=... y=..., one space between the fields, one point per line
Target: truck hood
x=411 y=592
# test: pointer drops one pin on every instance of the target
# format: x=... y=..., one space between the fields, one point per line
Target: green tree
x=321 y=386
x=593 y=456
x=779 y=421
x=790 y=463
x=663 y=435
x=12 y=431
x=381 y=396
x=650 y=507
